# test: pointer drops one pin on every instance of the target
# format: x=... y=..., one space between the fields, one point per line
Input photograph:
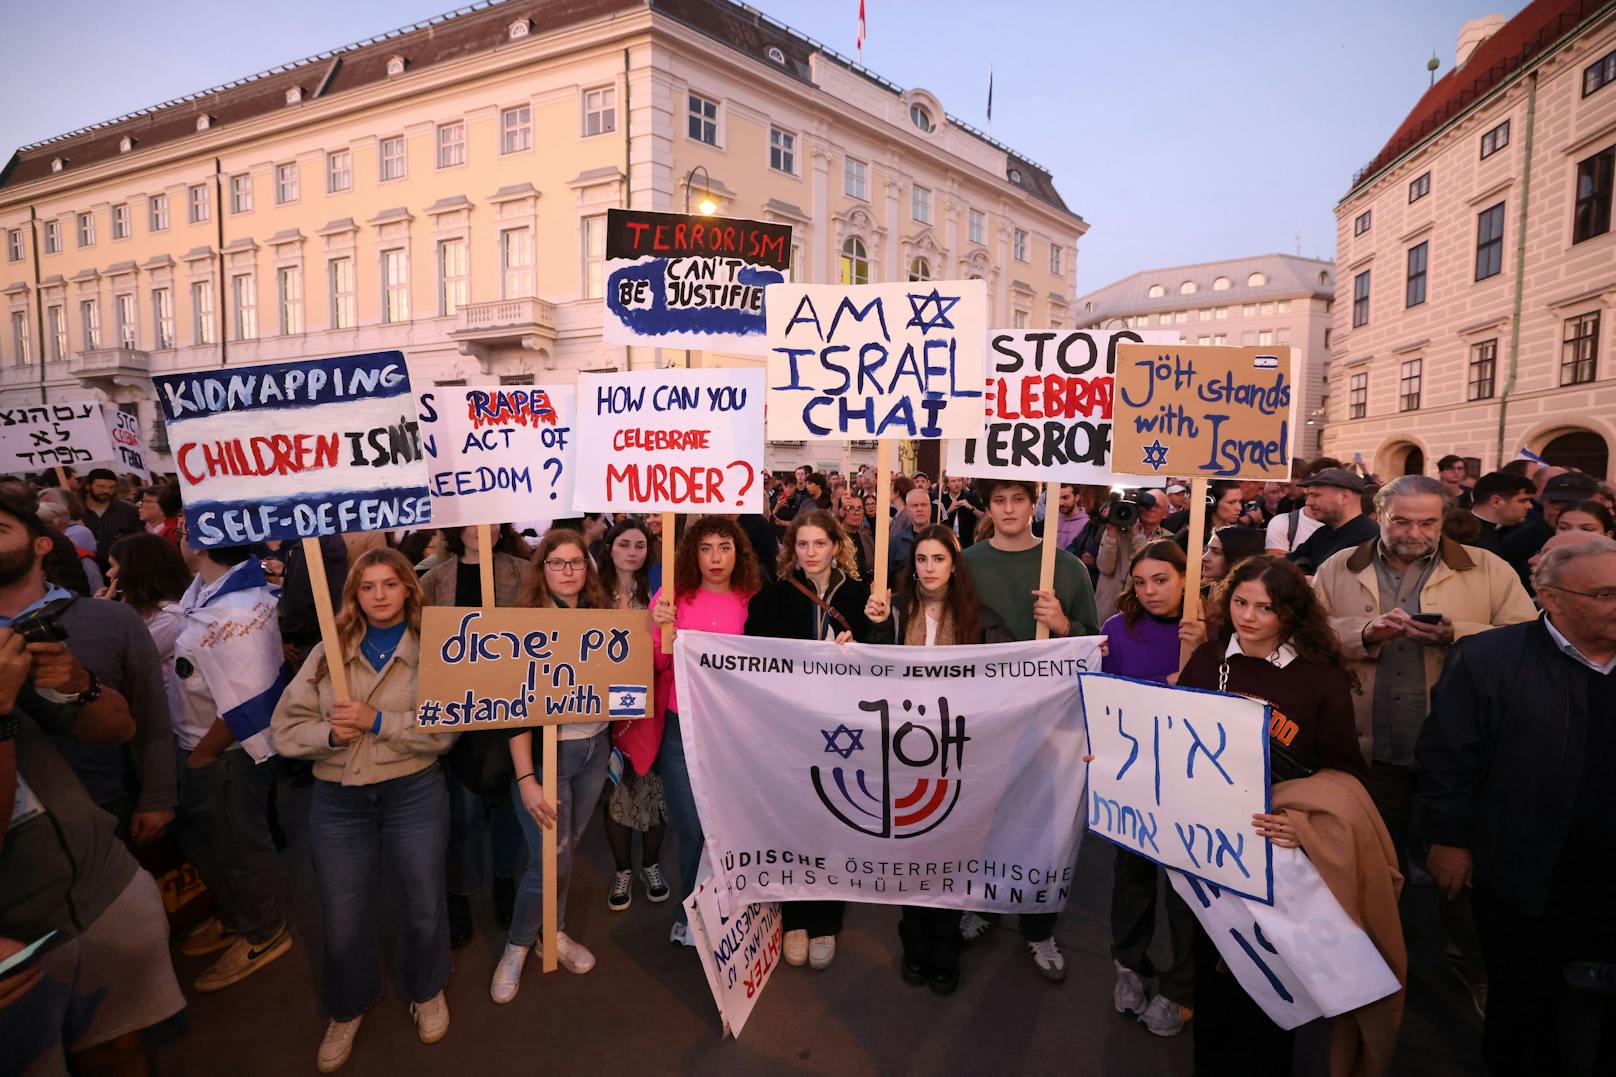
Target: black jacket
x=783 y=612
x=960 y=516
x=1501 y=755
x=1324 y=543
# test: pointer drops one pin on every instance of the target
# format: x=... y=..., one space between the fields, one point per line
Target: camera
x=1119 y=511
x=43 y=625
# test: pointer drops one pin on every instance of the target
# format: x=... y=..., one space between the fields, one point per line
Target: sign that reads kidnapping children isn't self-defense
x=498 y=453
x=1207 y=412
x=507 y=668
x=679 y=280
x=296 y=450
x=876 y=361
x=670 y=441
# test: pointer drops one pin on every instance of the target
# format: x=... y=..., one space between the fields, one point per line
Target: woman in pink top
x=715 y=575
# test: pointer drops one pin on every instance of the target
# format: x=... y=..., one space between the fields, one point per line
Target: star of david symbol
x=833 y=740
x=919 y=303
x=1156 y=455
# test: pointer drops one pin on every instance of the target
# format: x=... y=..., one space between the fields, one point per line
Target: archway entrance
x=1414 y=462
x=1581 y=449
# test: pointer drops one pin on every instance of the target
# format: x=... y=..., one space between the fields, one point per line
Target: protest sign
x=1177 y=775
x=876 y=360
x=679 y=280
x=669 y=441
x=1207 y=412
x=1301 y=957
x=43 y=436
x=948 y=778
x=493 y=451
x=738 y=951
x=296 y=450
x=1047 y=414
x=128 y=448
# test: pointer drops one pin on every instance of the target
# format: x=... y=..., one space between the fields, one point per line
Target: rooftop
x=1262 y=276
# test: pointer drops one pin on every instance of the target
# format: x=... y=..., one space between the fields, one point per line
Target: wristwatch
x=89 y=695
x=9 y=724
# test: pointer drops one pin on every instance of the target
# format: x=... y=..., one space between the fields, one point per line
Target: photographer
x=1128 y=526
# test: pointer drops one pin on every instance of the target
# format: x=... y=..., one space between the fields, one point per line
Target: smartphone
x=1427 y=618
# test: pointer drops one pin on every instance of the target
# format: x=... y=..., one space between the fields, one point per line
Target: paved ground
x=646 y=1009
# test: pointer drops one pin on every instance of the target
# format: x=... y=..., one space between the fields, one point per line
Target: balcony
x=104 y=368
x=528 y=323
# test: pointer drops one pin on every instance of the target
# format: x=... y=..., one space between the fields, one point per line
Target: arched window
x=1015 y=175
x=1256 y=280
x=777 y=54
x=1221 y=284
x=1187 y=288
x=919 y=269
x=920 y=116
x=1157 y=291
x=1324 y=277
x=855 y=261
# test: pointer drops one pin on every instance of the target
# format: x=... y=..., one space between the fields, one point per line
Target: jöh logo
x=914 y=790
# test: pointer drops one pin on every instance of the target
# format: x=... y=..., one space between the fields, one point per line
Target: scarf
x=914 y=633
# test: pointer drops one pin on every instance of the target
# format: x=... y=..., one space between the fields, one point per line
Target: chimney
x=1474 y=32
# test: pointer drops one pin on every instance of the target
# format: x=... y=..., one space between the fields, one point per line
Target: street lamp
x=707 y=206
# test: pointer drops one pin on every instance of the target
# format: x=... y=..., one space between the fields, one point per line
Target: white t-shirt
x=1279 y=527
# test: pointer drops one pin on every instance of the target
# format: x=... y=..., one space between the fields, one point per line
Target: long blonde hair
x=846 y=559
x=351 y=622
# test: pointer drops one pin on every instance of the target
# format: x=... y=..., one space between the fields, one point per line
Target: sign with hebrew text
x=496 y=454
x=39 y=437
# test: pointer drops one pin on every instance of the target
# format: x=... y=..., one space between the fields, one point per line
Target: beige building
x=443 y=189
x=1269 y=299
x=1477 y=285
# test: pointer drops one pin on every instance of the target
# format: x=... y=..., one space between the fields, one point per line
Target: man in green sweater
x=1005 y=572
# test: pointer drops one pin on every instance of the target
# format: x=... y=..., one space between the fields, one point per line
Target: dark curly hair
x=1302 y=620
x=687 y=559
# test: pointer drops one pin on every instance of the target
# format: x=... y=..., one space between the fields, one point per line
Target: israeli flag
x=627 y=700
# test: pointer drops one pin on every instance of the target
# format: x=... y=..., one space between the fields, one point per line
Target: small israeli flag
x=627 y=700
x=1265 y=362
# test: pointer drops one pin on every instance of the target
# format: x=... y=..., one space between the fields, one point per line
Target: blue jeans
x=681 y=809
x=581 y=774
x=476 y=830
x=351 y=827
x=222 y=827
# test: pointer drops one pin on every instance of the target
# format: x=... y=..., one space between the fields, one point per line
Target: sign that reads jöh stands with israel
x=497 y=454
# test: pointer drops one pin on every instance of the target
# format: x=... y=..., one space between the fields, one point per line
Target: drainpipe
x=39 y=305
x=1520 y=264
x=628 y=177
x=219 y=292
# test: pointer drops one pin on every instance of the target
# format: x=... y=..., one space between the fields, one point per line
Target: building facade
x=442 y=190
x=1477 y=285
x=1269 y=299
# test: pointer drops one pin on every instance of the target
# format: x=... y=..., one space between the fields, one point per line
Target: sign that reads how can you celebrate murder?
x=505 y=668
x=498 y=453
x=1210 y=412
x=296 y=450
x=686 y=281
x=670 y=441
x=876 y=361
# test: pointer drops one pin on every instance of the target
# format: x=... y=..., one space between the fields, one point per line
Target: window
x=1055 y=259
x=241 y=193
x=855 y=261
x=1360 y=299
x=1203 y=339
x=288 y=183
x=600 y=110
x=1220 y=339
x=338 y=171
x=86 y=229
x=90 y=323
x=395 y=286
x=920 y=116
x=1018 y=245
x=14 y=245
x=1248 y=310
x=53 y=237
x=162 y=301
x=1602 y=72
x=855 y=180
x=393 y=163
x=1018 y=319
x=1221 y=284
x=1156 y=291
x=920 y=204
x=1358 y=396
x=120 y=221
x=1419 y=188
x=1181 y=316
x=594 y=256
x=1265 y=338
x=452 y=288
x=56 y=316
x=919 y=269
x=776 y=54
x=197 y=208
x=1408 y=385
x=244 y=305
x=1256 y=280
x=1187 y=288
x=202 y=311
x=1483 y=370
x=451 y=144
x=1361 y=224
x=19 y=336
x=289 y=292
x=1283 y=306
x=1580 y=352
x=703 y=120
x=1223 y=313
x=976 y=226
x=782 y=151
x=516 y=263
x=123 y=312
x=1490 y=242
x=1494 y=140
x=516 y=129
x=157 y=217
x=1414 y=293
x=1594 y=185
x=341 y=272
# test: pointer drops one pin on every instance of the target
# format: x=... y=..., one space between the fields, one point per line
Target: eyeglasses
x=566 y=568
x=1605 y=596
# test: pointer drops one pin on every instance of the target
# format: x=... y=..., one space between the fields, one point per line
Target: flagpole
x=990 y=100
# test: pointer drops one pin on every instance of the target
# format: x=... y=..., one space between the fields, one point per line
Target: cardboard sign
x=739 y=951
x=1048 y=407
x=1177 y=775
x=1206 y=412
x=679 y=280
x=669 y=441
x=497 y=454
x=296 y=450
x=44 y=436
x=876 y=360
x=508 y=668
x=128 y=447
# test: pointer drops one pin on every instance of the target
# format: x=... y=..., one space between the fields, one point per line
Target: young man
x=1071 y=519
x=1500 y=502
x=108 y=517
x=1335 y=499
x=1004 y=569
x=1451 y=470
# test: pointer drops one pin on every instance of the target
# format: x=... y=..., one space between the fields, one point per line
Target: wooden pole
x=61 y=477
x=552 y=793
x=1192 y=564
x=669 y=546
x=328 y=618
x=485 y=564
x=1046 y=556
x=883 y=515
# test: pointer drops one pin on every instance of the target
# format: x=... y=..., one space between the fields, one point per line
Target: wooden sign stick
x=668 y=555
x=1046 y=555
x=328 y=618
x=1192 y=564
x=61 y=477
x=485 y=564
x=883 y=515
x=552 y=793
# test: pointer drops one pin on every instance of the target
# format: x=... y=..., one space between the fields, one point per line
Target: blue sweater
x=1147 y=650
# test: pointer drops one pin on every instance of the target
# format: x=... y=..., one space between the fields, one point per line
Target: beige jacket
x=1475 y=588
x=438 y=585
x=302 y=729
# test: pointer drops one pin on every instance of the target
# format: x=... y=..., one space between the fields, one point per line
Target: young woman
x=148 y=572
x=1591 y=516
x=1222 y=509
x=817 y=597
x=936 y=605
x=378 y=795
x=1272 y=641
x=1225 y=548
x=715 y=575
x=561 y=576
x=456 y=580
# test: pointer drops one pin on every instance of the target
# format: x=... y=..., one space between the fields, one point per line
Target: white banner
x=1301 y=957
x=1177 y=775
x=949 y=777
x=128 y=447
x=739 y=952
x=42 y=436
x=498 y=454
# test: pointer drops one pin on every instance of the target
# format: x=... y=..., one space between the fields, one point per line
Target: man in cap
x=1526 y=540
x=1178 y=502
x=1335 y=499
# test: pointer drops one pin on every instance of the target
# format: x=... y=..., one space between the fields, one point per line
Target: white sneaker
x=973 y=927
x=573 y=956
x=796 y=948
x=821 y=951
x=1129 y=996
x=1046 y=957
x=431 y=1018
x=1164 y=1017
x=508 y=973
x=656 y=885
x=337 y=1044
x=681 y=934
x=621 y=895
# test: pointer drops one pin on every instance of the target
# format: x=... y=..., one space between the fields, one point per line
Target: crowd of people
x=1439 y=654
